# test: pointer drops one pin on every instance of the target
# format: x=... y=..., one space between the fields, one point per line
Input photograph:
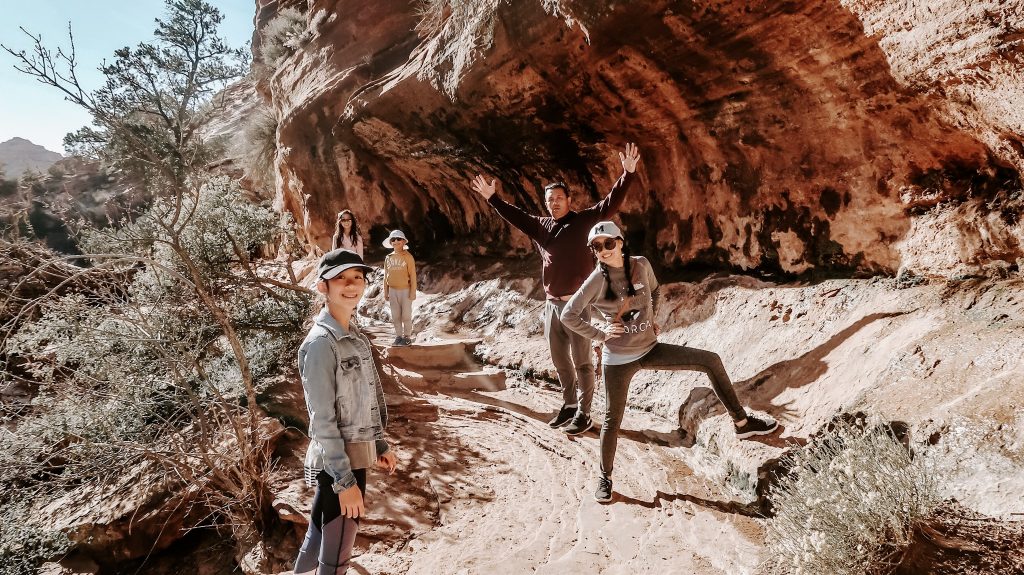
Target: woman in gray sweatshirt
x=630 y=341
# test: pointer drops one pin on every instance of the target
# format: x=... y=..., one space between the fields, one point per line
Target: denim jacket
x=344 y=397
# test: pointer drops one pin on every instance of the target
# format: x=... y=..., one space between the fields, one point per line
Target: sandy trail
x=512 y=495
x=487 y=487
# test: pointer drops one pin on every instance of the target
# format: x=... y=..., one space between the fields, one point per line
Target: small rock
x=70 y=566
x=906 y=278
x=997 y=269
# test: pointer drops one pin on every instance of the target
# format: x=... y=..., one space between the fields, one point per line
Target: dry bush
x=282 y=36
x=257 y=148
x=456 y=32
x=140 y=368
x=849 y=503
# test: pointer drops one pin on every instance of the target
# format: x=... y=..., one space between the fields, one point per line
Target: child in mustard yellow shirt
x=400 y=285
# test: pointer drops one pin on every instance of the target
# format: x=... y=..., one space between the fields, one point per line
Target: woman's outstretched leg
x=672 y=357
x=677 y=357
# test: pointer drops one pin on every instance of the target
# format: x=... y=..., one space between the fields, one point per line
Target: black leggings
x=663 y=356
x=330 y=537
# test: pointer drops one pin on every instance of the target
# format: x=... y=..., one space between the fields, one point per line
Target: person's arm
x=359 y=246
x=655 y=289
x=411 y=262
x=519 y=219
x=319 y=385
x=572 y=313
x=382 y=446
x=612 y=203
x=386 y=275
x=653 y=285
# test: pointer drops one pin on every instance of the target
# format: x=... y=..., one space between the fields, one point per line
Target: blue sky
x=39 y=113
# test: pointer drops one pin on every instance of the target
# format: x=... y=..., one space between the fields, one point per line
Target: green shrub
x=24 y=545
x=7 y=187
x=133 y=368
x=163 y=349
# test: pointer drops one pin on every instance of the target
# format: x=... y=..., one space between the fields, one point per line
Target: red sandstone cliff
x=836 y=136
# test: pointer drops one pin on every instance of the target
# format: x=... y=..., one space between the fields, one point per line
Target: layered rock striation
x=849 y=137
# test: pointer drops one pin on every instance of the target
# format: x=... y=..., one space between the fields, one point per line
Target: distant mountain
x=18 y=155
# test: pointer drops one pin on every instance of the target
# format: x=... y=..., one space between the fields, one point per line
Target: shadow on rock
x=759 y=391
x=660 y=498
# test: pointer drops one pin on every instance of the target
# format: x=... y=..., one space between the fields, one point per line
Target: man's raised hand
x=631 y=158
x=483 y=188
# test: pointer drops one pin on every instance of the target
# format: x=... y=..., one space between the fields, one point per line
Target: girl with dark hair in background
x=623 y=288
x=346 y=233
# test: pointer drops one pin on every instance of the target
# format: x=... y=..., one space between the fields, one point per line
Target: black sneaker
x=581 y=423
x=564 y=416
x=604 y=489
x=755 y=426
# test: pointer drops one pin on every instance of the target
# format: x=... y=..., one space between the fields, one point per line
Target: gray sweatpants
x=668 y=357
x=401 y=311
x=572 y=355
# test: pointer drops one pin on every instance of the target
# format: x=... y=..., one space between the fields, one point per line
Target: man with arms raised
x=561 y=240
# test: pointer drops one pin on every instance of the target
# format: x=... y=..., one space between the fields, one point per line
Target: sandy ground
x=487 y=487
x=513 y=495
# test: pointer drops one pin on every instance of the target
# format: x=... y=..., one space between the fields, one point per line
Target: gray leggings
x=327 y=548
x=663 y=356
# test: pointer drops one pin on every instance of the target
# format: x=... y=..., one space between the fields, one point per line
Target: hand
x=631 y=158
x=412 y=296
x=483 y=188
x=657 y=328
x=351 y=501
x=388 y=462
x=613 y=330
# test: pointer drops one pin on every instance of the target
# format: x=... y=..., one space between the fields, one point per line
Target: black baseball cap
x=336 y=261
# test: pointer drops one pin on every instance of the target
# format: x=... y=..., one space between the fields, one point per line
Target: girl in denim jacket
x=347 y=416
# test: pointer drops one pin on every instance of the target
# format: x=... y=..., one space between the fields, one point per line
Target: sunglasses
x=393 y=240
x=607 y=244
x=345 y=220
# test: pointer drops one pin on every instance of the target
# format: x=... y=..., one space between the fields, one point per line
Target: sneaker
x=580 y=423
x=564 y=416
x=604 y=489
x=755 y=426
x=408 y=340
x=399 y=341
